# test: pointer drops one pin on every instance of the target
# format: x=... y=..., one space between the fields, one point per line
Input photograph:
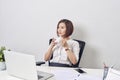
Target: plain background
x=27 y=25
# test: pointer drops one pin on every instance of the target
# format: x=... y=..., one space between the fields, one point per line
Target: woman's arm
x=72 y=54
x=49 y=51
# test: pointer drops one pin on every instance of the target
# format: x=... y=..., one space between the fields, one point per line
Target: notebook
x=23 y=66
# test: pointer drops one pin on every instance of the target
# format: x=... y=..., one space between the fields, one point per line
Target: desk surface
x=55 y=70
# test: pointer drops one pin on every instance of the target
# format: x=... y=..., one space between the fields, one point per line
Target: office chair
x=81 y=45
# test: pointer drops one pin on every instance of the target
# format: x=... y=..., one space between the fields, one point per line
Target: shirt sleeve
x=76 y=49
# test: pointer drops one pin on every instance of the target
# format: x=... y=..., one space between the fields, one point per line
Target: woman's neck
x=66 y=38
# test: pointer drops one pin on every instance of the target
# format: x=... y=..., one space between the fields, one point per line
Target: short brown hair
x=69 y=27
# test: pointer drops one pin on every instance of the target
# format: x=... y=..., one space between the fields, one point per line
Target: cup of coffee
x=58 y=39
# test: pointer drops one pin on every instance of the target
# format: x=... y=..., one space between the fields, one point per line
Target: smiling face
x=61 y=30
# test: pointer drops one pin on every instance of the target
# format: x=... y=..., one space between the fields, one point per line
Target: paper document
x=86 y=77
x=113 y=74
x=71 y=74
x=64 y=74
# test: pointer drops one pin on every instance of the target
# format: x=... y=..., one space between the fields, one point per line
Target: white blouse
x=60 y=55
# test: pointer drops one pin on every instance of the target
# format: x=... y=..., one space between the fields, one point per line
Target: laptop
x=23 y=66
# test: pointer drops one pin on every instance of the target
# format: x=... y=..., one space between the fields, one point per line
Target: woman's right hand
x=53 y=43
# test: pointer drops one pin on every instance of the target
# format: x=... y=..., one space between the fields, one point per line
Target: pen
x=104 y=65
x=105 y=71
x=77 y=77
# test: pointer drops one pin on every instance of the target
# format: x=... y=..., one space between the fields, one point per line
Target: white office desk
x=91 y=72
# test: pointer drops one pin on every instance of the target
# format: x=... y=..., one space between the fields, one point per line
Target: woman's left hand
x=64 y=43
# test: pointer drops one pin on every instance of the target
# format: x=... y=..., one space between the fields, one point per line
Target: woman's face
x=61 y=29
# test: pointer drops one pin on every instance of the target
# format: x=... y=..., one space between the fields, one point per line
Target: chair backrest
x=81 y=45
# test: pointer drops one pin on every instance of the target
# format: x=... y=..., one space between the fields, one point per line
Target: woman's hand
x=49 y=51
x=64 y=43
x=53 y=43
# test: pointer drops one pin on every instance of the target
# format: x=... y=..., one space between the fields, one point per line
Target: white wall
x=27 y=25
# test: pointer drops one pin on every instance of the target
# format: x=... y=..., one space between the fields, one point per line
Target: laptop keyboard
x=43 y=75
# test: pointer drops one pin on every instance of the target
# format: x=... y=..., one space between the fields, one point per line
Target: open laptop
x=23 y=66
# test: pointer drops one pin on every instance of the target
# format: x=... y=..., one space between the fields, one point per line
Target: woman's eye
x=62 y=27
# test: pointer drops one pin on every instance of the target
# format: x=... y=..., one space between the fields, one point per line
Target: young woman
x=64 y=49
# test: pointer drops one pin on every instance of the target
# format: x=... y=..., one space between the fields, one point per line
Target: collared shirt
x=60 y=55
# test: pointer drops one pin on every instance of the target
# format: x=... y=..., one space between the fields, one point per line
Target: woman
x=65 y=51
